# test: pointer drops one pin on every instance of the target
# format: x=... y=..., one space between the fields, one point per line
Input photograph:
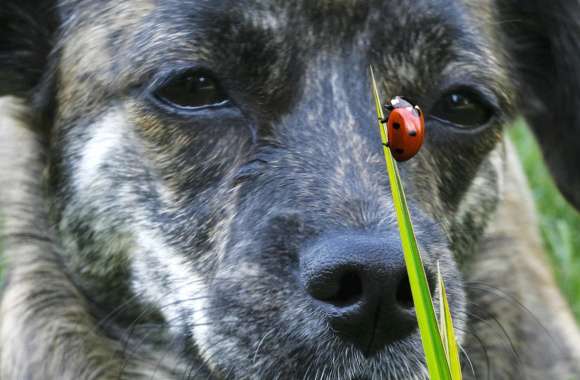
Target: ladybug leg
x=385 y=145
x=384 y=120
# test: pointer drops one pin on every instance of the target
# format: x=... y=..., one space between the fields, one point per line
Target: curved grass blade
x=428 y=327
x=447 y=330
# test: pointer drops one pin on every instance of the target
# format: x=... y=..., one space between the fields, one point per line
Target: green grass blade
x=442 y=320
x=428 y=327
x=447 y=331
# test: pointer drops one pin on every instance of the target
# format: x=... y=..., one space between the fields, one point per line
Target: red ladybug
x=405 y=128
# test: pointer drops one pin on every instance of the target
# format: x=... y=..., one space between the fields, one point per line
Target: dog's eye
x=462 y=108
x=191 y=90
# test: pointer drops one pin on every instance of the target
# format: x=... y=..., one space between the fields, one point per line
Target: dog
x=196 y=189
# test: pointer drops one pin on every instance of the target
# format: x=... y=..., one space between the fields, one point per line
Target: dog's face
x=229 y=153
x=220 y=160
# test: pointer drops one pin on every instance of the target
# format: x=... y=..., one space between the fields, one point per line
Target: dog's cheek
x=458 y=184
x=168 y=281
x=191 y=154
x=258 y=320
x=257 y=306
x=478 y=205
x=109 y=195
x=106 y=176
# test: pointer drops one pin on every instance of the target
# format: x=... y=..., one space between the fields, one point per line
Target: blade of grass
x=428 y=327
x=447 y=330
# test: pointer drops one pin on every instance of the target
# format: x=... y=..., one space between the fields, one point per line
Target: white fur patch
x=479 y=188
x=187 y=291
x=106 y=135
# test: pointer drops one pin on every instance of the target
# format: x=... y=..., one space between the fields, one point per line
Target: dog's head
x=220 y=161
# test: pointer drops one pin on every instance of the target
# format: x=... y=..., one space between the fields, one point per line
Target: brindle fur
x=141 y=243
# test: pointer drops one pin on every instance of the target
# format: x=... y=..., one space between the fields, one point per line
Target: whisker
x=508 y=297
x=260 y=343
x=483 y=348
x=501 y=327
x=207 y=360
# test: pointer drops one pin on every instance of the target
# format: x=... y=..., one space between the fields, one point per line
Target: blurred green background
x=560 y=223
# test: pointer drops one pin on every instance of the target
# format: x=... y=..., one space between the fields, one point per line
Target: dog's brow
x=265 y=19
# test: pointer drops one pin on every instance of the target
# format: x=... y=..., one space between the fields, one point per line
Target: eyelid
x=483 y=96
x=164 y=77
x=475 y=86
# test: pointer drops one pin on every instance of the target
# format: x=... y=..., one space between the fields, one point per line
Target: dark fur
x=142 y=242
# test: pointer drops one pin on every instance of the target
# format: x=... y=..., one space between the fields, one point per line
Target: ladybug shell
x=406 y=131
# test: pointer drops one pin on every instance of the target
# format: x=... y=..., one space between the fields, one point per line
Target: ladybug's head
x=402 y=102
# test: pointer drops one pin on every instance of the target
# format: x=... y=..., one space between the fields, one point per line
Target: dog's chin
x=399 y=360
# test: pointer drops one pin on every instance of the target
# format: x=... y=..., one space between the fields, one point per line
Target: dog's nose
x=360 y=283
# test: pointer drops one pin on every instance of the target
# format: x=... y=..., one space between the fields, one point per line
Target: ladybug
x=405 y=124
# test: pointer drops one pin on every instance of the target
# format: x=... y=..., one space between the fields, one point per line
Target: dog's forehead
x=122 y=43
x=310 y=20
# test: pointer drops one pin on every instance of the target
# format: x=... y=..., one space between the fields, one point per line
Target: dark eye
x=462 y=108
x=191 y=90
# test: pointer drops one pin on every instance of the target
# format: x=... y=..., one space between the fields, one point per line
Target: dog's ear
x=543 y=39
x=27 y=30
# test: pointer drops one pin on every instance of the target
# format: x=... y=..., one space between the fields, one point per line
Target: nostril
x=404 y=295
x=349 y=290
x=358 y=283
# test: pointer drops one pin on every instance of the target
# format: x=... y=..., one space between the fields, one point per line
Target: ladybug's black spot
x=413 y=133
x=396 y=125
x=399 y=151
